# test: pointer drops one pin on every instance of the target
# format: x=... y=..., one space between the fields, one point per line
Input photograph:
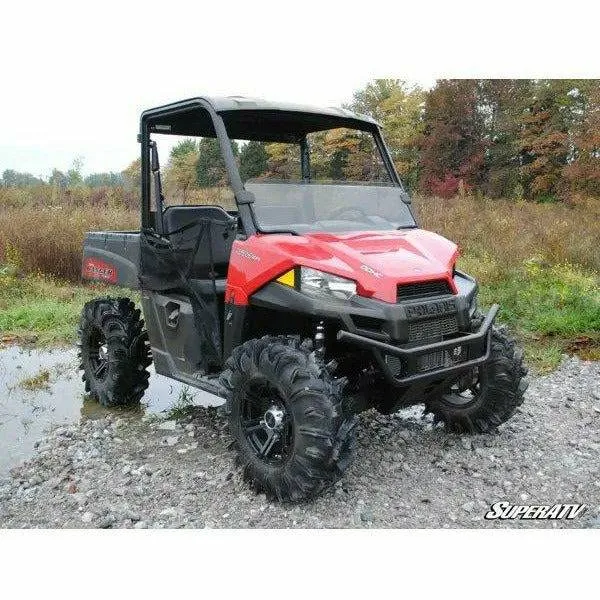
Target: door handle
x=172 y=313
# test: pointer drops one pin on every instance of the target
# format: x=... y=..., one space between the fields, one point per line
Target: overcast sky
x=73 y=79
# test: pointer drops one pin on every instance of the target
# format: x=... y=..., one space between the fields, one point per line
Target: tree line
x=512 y=138
x=500 y=138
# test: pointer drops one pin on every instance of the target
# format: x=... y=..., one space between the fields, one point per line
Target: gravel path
x=113 y=472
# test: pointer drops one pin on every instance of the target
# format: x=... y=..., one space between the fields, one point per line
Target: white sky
x=75 y=76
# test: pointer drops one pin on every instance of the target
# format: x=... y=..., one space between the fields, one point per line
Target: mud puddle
x=39 y=388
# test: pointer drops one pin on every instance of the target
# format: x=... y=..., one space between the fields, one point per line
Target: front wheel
x=286 y=418
x=487 y=396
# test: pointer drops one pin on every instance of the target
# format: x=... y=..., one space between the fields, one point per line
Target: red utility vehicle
x=307 y=301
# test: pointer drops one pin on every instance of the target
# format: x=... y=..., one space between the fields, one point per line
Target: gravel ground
x=114 y=472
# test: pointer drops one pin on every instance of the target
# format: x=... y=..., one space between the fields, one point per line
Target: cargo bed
x=112 y=257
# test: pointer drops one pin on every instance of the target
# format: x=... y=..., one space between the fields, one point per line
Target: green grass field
x=540 y=262
x=39 y=309
x=551 y=309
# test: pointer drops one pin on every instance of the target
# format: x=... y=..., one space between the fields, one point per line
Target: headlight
x=317 y=283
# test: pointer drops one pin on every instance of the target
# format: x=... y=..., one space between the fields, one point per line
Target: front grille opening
x=363 y=322
x=423 y=289
x=442 y=358
x=433 y=330
x=394 y=364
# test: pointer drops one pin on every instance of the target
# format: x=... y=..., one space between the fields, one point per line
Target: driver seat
x=186 y=223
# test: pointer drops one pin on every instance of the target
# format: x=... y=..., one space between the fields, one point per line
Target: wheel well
x=267 y=321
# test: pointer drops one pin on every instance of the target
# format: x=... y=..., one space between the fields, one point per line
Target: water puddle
x=39 y=388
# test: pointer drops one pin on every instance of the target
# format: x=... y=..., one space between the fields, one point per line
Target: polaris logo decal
x=371 y=271
x=506 y=510
x=431 y=309
x=94 y=268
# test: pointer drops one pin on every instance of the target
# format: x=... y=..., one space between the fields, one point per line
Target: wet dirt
x=39 y=388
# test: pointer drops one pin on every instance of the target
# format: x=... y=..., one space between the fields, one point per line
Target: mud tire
x=122 y=378
x=501 y=390
x=323 y=441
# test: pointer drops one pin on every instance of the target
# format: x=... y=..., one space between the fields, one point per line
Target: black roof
x=250 y=118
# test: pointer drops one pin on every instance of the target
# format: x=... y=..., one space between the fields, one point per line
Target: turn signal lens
x=288 y=278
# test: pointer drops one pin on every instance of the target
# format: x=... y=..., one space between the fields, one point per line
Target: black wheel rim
x=266 y=422
x=98 y=354
x=466 y=391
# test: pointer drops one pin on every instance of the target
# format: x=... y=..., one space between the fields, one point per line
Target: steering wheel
x=343 y=209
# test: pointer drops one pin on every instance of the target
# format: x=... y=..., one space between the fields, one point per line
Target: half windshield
x=302 y=207
x=336 y=181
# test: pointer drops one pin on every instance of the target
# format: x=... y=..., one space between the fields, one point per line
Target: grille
x=423 y=290
x=440 y=359
x=394 y=364
x=366 y=322
x=432 y=330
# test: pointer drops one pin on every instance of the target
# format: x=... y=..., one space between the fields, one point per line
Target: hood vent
x=423 y=289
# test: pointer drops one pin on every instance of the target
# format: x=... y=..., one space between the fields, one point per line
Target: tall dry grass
x=42 y=227
x=511 y=233
x=44 y=195
x=49 y=239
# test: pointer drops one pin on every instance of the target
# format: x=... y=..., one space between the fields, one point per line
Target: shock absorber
x=320 y=342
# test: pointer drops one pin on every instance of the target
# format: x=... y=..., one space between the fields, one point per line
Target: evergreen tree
x=503 y=102
x=253 y=160
x=183 y=147
x=210 y=167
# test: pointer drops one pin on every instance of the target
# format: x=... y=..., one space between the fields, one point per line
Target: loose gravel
x=123 y=473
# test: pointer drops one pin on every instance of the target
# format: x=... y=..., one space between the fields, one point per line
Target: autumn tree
x=582 y=174
x=180 y=175
x=283 y=160
x=132 y=175
x=545 y=139
x=398 y=107
x=453 y=141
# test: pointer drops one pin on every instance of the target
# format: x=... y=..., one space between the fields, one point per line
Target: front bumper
x=430 y=361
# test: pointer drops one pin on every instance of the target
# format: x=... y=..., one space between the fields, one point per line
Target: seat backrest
x=222 y=233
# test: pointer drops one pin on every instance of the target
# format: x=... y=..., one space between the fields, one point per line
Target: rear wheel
x=114 y=351
x=286 y=417
x=486 y=396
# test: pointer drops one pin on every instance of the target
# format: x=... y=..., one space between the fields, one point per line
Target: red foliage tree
x=453 y=142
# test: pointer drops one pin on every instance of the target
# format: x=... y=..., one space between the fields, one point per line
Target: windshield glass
x=344 y=186
x=302 y=207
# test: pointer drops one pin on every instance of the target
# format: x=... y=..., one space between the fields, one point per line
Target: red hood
x=377 y=261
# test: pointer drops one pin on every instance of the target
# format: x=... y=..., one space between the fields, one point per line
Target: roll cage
x=247 y=119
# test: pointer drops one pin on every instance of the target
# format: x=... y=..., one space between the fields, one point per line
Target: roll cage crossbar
x=243 y=119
